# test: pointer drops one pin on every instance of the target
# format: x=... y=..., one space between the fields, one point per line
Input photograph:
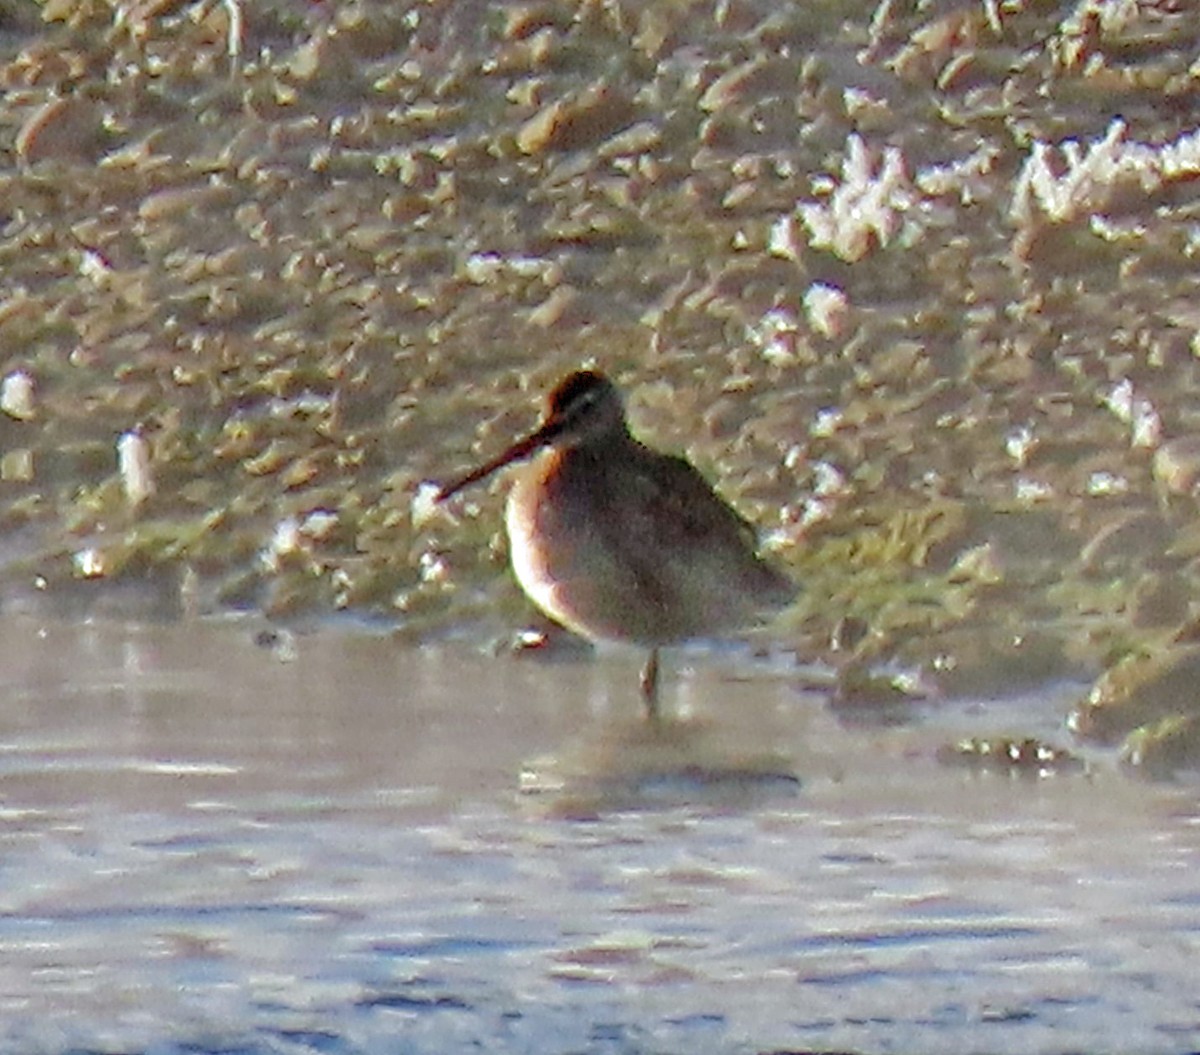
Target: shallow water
x=211 y=846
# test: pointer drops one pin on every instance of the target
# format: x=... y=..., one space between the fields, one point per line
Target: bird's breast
x=536 y=542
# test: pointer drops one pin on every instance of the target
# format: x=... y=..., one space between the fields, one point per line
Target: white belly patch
x=529 y=566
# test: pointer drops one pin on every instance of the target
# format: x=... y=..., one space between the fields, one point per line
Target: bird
x=617 y=541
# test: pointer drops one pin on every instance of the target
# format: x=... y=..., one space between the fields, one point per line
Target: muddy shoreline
x=915 y=290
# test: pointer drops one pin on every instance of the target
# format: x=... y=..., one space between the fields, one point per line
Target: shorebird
x=616 y=541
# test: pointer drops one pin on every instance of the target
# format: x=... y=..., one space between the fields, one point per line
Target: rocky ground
x=915 y=288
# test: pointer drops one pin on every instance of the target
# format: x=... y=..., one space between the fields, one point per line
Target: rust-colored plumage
x=620 y=542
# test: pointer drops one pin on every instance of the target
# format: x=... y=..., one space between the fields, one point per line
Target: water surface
x=208 y=845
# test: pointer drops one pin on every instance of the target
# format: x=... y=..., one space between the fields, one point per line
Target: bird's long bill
x=520 y=449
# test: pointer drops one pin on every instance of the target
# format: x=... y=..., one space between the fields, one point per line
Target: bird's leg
x=650 y=685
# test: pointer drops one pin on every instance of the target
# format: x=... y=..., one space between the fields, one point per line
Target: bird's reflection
x=631 y=763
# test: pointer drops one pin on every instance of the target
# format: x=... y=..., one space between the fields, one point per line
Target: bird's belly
x=556 y=565
x=588 y=581
x=534 y=570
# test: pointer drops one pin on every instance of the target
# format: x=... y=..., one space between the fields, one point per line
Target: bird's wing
x=684 y=508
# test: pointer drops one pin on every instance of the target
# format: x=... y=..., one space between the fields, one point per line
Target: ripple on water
x=286 y=894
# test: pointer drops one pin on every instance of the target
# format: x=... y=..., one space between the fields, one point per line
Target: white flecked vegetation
x=424 y=506
x=827 y=308
x=134 y=466
x=17 y=396
x=1076 y=179
x=865 y=207
x=875 y=199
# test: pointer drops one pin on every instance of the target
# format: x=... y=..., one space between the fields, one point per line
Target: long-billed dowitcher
x=617 y=541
